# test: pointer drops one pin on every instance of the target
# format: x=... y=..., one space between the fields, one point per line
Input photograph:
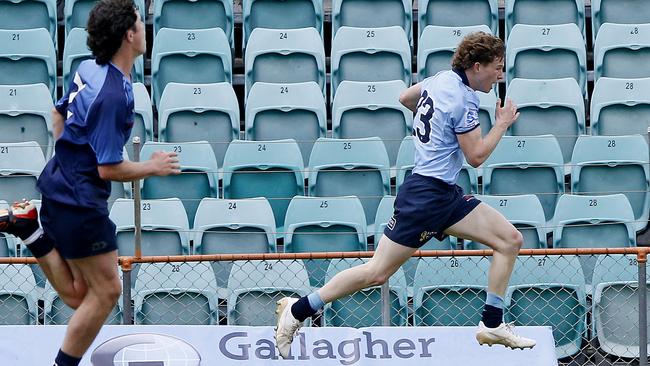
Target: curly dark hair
x=107 y=24
x=478 y=47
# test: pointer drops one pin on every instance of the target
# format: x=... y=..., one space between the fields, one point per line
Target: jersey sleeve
x=105 y=121
x=466 y=118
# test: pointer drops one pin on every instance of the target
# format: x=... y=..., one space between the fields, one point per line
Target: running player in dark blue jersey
x=76 y=245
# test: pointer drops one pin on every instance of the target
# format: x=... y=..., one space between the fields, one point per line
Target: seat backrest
x=197 y=56
x=622 y=51
x=545 y=12
x=182 y=14
x=613 y=164
x=620 y=107
x=437 y=45
x=19 y=293
x=75 y=13
x=523 y=165
x=191 y=112
x=8 y=242
x=372 y=14
x=143 y=124
x=284 y=56
x=487 y=110
x=26 y=115
x=20 y=165
x=554 y=106
x=373 y=54
x=446 y=13
x=546 y=52
x=282 y=111
x=28 y=56
x=273 y=15
x=619 y=12
x=29 y=14
x=372 y=109
x=405 y=160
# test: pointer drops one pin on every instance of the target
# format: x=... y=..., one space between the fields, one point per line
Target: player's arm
x=477 y=148
x=410 y=97
x=58 y=123
x=161 y=163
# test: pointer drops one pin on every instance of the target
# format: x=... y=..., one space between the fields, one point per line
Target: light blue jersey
x=447 y=107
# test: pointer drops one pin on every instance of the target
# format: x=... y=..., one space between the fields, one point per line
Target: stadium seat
x=199 y=56
x=593 y=222
x=553 y=106
x=192 y=14
x=270 y=169
x=525 y=212
x=446 y=13
x=192 y=112
x=75 y=13
x=437 y=46
x=29 y=14
x=614 y=164
x=546 y=52
x=175 y=293
x=76 y=51
x=370 y=55
x=622 y=51
x=350 y=167
x=273 y=14
x=26 y=115
x=525 y=165
x=339 y=222
x=27 y=57
x=372 y=109
x=255 y=286
x=372 y=14
x=449 y=291
x=620 y=107
x=19 y=295
x=7 y=242
x=549 y=291
x=164 y=227
x=231 y=227
x=487 y=110
x=615 y=309
x=284 y=56
x=198 y=178
x=143 y=124
x=544 y=12
x=286 y=111
x=618 y=11
x=20 y=165
x=364 y=308
x=56 y=312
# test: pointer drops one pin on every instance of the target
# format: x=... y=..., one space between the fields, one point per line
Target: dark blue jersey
x=99 y=113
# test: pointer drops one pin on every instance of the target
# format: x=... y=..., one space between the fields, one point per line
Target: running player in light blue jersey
x=429 y=203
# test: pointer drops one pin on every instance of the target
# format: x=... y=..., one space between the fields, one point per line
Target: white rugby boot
x=287 y=326
x=504 y=334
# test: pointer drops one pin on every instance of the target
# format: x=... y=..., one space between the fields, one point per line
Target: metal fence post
x=385 y=304
x=643 y=301
x=127 y=313
x=137 y=201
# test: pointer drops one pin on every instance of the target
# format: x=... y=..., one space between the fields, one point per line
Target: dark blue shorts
x=77 y=232
x=424 y=208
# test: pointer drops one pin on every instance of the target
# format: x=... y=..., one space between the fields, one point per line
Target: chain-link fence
x=590 y=301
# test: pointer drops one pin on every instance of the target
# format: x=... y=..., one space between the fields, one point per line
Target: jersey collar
x=463 y=76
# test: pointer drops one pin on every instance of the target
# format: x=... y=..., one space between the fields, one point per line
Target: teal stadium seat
x=620 y=107
x=175 y=293
x=614 y=164
x=75 y=13
x=526 y=165
x=270 y=169
x=372 y=109
x=372 y=14
x=286 y=111
x=554 y=107
x=619 y=12
x=26 y=115
x=7 y=242
x=549 y=291
x=198 y=56
x=18 y=295
x=28 y=57
x=364 y=308
x=622 y=51
x=284 y=56
x=370 y=55
x=198 y=178
x=143 y=123
x=192 y=112
x=445 y=13
x=20 y=165
x=255 y=286
x=272 y=14
x=165 y=229
x=487 y=110
x=29 y=14
x=546 y=52
x=544 y=12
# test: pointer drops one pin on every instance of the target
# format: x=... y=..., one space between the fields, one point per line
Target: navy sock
x=492 y=316
x=302 y=310
x=63 y=359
